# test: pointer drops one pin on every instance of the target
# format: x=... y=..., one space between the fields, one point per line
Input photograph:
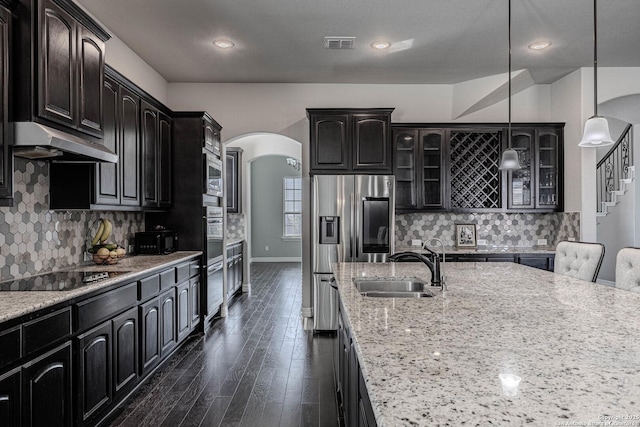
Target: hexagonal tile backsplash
x=235 y=226
x=501 y=229
x=34 y=239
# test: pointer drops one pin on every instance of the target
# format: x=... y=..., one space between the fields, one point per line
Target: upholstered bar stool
x=579 y=260
x=628 y=269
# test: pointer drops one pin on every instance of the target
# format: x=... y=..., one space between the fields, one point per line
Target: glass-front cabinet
x=537 y=185
x=432 y=148
x=406 y=147
x=548 y=176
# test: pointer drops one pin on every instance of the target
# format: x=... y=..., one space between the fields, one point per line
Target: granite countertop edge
x=14 y=304
x=482 y=250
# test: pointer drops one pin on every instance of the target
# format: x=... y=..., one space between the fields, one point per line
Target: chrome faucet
x=432 y=262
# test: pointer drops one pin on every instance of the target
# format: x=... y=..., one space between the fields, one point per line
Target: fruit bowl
x=106 y=254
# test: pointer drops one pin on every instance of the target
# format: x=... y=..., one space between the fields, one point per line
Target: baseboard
x=276 y=259
x=246 y=287
x=307 y=312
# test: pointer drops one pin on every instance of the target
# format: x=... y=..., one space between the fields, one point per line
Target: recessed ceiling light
x=539 y=45
x=223 y=44
x=380 y=45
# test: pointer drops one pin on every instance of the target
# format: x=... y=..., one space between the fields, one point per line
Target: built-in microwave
x=213 y=181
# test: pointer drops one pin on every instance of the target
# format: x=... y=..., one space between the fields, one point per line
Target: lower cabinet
x=183 y=316
x=149 y=335
x=543 y=261
x=125 y=349
x=94 y=371
x=353 y=396
x=47 y=389
x=10 y=401
x=168 y=309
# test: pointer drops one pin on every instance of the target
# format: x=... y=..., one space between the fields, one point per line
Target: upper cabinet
x=66 y=52
x=455 y=167
x=234 y=180
x=350 y=141
x=6 y=159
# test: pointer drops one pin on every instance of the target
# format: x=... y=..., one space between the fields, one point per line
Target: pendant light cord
x=509 y=130
x=595 y=58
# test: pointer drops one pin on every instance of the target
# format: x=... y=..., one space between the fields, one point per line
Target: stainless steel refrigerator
x=353 y=220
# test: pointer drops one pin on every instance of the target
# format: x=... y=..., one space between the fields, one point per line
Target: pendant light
x=509 y=156
x=596 y=129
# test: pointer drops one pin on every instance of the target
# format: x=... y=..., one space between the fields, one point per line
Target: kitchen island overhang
x=430 y=361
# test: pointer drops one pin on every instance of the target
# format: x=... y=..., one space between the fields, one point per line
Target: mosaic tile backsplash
x=235 y=226
x=34 y=239
x=499 y=229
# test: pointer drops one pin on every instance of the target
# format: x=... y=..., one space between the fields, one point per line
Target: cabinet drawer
x=183 y=272
x=105 y=306
x=237 y=249
x=167 y=279
x=194 y=269
x=46 y=330
x=148 y=287
x=10 y=345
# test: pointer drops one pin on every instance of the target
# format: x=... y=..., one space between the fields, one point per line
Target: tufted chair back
x=628 y=269
x=579 y=260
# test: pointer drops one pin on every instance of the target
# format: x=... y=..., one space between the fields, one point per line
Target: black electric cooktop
x=58 y=281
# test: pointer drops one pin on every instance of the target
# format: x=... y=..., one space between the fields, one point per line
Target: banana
x=98 y=235
x=108 y=227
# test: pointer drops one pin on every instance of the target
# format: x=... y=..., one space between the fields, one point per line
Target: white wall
x=124 y=60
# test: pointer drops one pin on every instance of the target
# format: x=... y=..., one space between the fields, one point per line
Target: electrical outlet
x=572 y=239
x=542 y=242
x=416 y=242
x=266 y=248
x=482 y=242
x=131 y=248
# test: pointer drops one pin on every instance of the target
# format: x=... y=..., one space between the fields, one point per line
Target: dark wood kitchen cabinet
x=164 y=161
x=233 y=175
x=6 y=158
x=420 y=168
x=65 y=48
x=168 y=327
x=47 y=389
x=125 y=350
x=350 y=140
x=149 y=156
x=455 y=167
x=129 y=135
x=149 y=335
x=94 y=389
x=183 y=316
x=10 y=398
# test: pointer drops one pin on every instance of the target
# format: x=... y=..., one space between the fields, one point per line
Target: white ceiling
x=434 y=41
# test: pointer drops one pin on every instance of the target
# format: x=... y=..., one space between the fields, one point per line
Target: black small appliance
x=157 y=242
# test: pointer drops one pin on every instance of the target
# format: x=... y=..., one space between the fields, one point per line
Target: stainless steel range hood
x=35 y=141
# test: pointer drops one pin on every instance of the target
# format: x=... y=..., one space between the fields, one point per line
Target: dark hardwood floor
x=256 y=367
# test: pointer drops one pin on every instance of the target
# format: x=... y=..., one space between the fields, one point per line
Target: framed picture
x=466 y=235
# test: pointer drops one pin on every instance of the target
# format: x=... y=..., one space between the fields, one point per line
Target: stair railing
x=613 y=167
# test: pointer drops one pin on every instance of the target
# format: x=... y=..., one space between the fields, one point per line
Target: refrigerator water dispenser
x=329 y=230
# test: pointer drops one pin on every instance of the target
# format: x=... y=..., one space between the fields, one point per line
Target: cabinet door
x=47 y=389
x=406 y=149
x=432 y=169
x=541 y=263
x=149 y=335
x=10 y=399
x=230 y=279
x=129 y=148
x=520 y=186
x=183 y=315
x=168 y=309
x=352 y=403
x=549 y=169
x=107 y=174
x=90 y=81
x=371 y=146
x=194 y=294
x=164 y=161
x=149 y=155
x=125 y=349
x=94 y=371
x=234 y=181
x=329 y=143
x=6 y=159
x=211 y=137
x=57 y=64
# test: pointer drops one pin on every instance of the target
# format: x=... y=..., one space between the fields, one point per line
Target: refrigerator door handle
x=354 y=248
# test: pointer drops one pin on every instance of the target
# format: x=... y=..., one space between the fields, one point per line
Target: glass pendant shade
x=596 y=133
x=510 y=160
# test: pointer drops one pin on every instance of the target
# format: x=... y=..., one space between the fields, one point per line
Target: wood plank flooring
x=256 y=367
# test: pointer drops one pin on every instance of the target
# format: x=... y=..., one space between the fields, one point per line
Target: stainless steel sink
x=392 y=288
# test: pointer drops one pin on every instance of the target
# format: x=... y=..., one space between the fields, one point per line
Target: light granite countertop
x=18 y=303
x=436 y=361
x=482 y=250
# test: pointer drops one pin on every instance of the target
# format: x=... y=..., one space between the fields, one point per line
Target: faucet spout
x=432 y=264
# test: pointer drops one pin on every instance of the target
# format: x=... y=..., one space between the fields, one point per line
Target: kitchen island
x=437 y=361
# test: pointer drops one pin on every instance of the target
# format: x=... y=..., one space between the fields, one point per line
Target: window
x=292 y=213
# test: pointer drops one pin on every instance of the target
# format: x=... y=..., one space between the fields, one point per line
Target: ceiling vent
x=339 y=42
